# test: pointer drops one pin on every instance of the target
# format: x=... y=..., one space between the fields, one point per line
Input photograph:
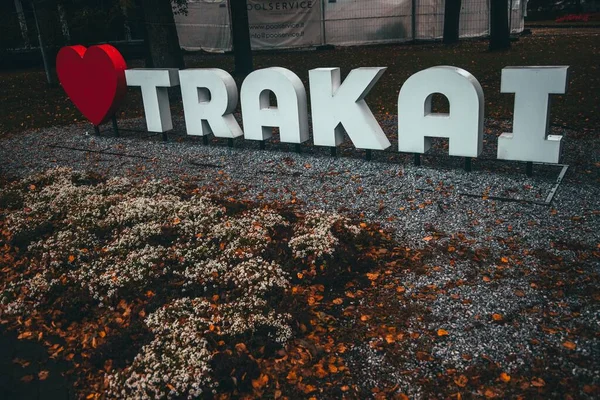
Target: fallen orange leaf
x=504 y=377
x=461 y=381
x=241 y=348
x=309 y=388
x=292 y=376
x=538 y=382
x=320 y=371
x=260 y=382
x=25 y=335
x=373 y=276
x=569 y=345
x=442 y=332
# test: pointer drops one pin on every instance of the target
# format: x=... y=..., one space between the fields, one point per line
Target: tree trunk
x=22 y=23
x=161 y=38
x=64 y=24
x=242 y=50
x=451 y=21
x=126 y=25
x=499 y=30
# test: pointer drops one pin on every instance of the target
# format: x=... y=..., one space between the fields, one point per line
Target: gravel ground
x=502 y=252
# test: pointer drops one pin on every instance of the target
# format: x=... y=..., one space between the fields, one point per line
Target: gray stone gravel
x=528 y=247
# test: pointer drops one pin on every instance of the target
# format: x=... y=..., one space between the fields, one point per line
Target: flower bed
x=154 y=290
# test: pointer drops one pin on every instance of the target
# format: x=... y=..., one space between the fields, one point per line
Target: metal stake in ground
x=97 y=130
x=115 y=126
x=230 y=142
x=468 y=164
x=205 y=140
x=417 y=159
x=529 y=168
x=369 y=154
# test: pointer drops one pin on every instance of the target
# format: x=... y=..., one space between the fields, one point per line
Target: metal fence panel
x=474 y=18
x=350 y=22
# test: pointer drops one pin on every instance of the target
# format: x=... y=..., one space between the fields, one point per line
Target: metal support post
x=468 y=164
x=115 y=126
x=417 y=159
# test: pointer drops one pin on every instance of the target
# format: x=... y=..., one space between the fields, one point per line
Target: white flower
x=117 y=237
x=314 y=237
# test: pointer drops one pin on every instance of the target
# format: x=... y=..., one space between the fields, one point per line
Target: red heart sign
x=93 y=78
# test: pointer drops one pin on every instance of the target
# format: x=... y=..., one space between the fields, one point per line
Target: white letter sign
x=463 y=125
x=529 y=140
x=290 y=115
x=209 y=97
x=154 y=84
x=335 y=104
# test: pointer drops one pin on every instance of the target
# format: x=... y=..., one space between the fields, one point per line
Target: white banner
x=284 y=23
x=206 y=26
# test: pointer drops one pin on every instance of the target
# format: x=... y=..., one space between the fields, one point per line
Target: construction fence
x=280 y=24
x=274 y=24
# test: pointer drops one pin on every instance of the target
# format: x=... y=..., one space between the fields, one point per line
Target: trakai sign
x=210 y=97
